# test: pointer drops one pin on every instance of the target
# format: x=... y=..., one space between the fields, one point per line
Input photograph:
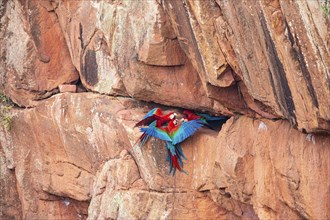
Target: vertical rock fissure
x=34 y=25
x=187 y=32
x=296 y=54
x=277 y=73
x=81 y=37
x=90 y=68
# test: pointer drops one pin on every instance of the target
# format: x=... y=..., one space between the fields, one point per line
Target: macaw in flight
x=167 y=128
x=174 y=134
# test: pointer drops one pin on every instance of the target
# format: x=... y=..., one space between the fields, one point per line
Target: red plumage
x=189 y=115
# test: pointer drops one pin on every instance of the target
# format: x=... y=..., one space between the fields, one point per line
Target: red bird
x=189 y=115
x=207 y=120
x=156 y=118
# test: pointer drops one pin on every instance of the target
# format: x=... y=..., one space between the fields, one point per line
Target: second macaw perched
x=204 y=118
x=174 y=134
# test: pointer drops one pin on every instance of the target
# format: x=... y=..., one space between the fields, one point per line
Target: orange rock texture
x=80 y=74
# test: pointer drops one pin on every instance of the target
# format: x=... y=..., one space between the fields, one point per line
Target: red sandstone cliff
x=69 y=155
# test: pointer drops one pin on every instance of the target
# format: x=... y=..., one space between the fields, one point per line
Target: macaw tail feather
x=175 y=150
x=179 y=152
x=176 y=166
x=175 y=162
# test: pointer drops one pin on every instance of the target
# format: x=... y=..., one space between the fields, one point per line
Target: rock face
x=10 y=206
x=34 y=56
x=72 y=155
x=274 y=173
x=279 y=50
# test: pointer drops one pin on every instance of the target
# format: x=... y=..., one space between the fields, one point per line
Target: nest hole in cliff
x=80 y=86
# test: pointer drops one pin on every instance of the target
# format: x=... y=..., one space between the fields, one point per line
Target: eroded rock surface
x=10 y=206
x=71 y=155
x=34 y=56
x=268 y=162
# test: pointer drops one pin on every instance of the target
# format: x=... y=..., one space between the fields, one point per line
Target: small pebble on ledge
x=67 y=88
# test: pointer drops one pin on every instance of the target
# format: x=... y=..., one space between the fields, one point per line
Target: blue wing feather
x=156 y=132
x=186 y=130
x=144 y=140
x=180 y=152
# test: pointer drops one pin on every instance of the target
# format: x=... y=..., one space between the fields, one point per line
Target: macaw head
x=186 y=113
x=183 y=119
x=172 y=115
x=172 y=124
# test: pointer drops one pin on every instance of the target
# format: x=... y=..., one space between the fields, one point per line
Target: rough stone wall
x=266 y=64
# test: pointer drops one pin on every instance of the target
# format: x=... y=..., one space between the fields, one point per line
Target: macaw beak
x=183 y=120
x=173 y=116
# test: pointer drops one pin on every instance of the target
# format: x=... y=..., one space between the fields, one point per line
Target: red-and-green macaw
x=153 y=118
x=174 y=134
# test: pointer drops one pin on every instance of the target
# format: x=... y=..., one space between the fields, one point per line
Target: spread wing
x=154 y=114
x=147 y=121
x=185 y=130
x=156 y=132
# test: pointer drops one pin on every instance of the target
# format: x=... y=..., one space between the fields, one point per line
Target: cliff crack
x=71 y=163
x=296 y=54
x=277 y=74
